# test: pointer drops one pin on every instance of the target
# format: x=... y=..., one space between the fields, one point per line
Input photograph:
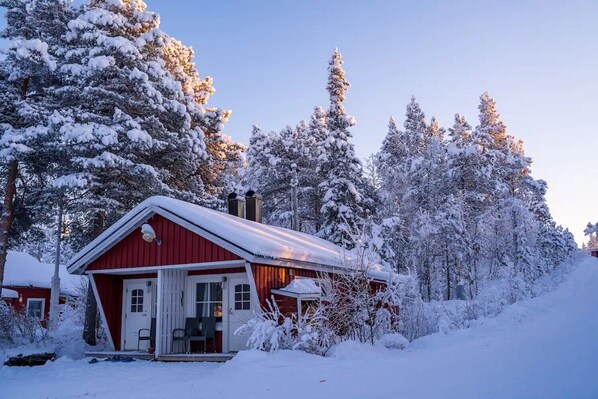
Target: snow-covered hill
x=546 y=347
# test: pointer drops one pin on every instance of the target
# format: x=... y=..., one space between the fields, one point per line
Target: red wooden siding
x=179 y=246
x=287 y=305
x=31 y=292
x=216 y=271
x=110 y=291
x=268 y=277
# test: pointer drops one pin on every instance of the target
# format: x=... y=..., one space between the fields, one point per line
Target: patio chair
x=181 y=334
x=207 y=332
x=151 y=334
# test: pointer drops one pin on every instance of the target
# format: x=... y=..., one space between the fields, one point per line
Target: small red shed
x=28 y=282
x=168 y=260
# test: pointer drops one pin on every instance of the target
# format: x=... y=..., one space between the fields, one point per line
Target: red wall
x=268 y=277
x=178 y=246
x=30 y=292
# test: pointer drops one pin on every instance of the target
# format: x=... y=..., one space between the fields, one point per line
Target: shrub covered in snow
x=17 y=327
x=352 y=307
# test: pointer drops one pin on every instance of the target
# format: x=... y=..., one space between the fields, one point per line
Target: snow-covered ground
x=546 y=347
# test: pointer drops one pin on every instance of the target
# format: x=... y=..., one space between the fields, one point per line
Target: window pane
x=216 y=310
x=246 y=287
x=238 y=288
x=216 y=291
x=246 y=296
x=246 y=306
x=201 y=310
x=202 y=292
x=34 y=309
x=238 y=305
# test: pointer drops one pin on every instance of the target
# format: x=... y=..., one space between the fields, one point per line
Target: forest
x=101 y=109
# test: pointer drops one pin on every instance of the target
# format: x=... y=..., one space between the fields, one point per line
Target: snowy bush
x=17 y=327
x=270 y=330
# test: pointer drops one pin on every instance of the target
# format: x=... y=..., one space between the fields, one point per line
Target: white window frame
x=242 y=301
x=190 y=295
x=43 y=307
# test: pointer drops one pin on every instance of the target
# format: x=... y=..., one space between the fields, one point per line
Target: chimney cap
x=232 y=196
x=251 y=194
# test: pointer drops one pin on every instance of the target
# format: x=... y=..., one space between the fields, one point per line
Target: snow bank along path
x=546 y=347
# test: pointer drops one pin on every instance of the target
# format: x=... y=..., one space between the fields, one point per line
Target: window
x=35 y=308
x=208 y=300
x=137 y=300
x=242 y=301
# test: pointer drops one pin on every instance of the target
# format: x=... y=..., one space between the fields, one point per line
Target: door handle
x=230 y=311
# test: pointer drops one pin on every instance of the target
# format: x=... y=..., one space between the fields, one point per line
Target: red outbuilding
x=28 y=282
x=167 y=262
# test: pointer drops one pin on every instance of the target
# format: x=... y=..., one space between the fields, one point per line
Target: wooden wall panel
x=269 y=277
x=110 y=291
x=179 y=246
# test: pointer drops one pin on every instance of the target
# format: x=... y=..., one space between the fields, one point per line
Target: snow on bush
x=352 y=307
x=17 y=327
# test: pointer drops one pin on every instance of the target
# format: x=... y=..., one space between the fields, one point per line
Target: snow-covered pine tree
x=346 y=204
x=27 y=76
x=124 y=117
x=392 y=162
x=217 y=166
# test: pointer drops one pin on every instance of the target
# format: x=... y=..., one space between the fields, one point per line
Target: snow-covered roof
x=23 y=270
x=9 y=294
x=301 y=287
x=252 y=241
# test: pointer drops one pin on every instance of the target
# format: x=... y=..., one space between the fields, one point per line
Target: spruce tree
x=345 y=203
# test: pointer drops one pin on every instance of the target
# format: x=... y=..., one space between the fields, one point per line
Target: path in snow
x=546 y=347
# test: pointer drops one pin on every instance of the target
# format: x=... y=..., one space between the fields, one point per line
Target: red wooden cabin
x=28 y=282
x=170 y=260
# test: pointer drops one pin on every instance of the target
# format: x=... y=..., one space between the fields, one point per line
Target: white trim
x=158 y=349
x=226 y=264
x=289 y=294
x=257 y=306
x=102 y=314
x=43 y=309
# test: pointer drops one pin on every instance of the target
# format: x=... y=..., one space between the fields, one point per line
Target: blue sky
x=537 y=58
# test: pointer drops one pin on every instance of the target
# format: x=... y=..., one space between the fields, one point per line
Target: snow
x=9 y=294
x=23 y=270
x=303 y=286
x=544 y=347
x=256 y=238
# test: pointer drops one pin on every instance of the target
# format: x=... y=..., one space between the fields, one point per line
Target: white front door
x=239 y=311
x=137 y=313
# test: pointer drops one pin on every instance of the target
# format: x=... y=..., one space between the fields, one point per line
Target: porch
x=193 y=357
x=162 y=302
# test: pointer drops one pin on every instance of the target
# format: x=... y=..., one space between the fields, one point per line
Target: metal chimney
x=236 y=205
x=254 y=206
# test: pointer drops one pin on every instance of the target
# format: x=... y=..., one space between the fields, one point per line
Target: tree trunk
x=91 y=307
x=8 y=215
x=55 y=292
x=448 y=278
x=10 y=192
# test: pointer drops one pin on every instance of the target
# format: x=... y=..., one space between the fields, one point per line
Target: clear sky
x=539 y=59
